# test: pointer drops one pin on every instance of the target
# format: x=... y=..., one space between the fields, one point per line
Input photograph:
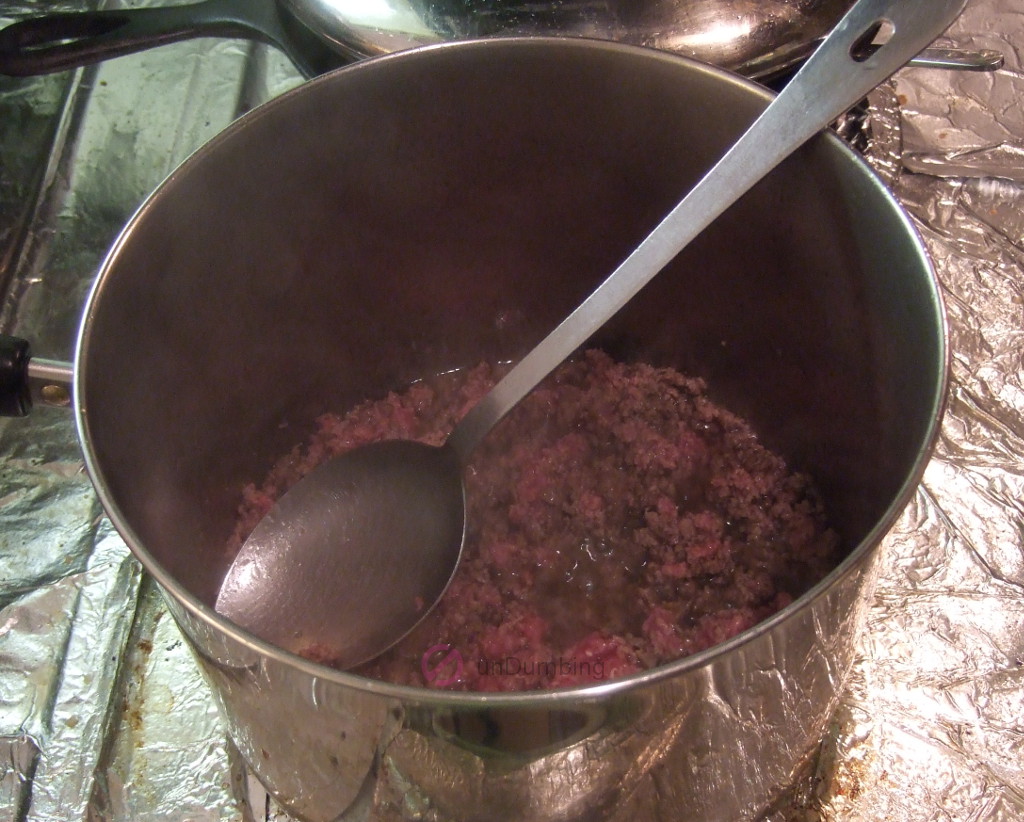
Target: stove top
x=103 y=715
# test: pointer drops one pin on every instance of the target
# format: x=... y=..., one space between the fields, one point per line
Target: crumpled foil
x=978 y=129
x=103 y=715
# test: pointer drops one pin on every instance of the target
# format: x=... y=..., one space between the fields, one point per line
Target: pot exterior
x=719 y=740
x=427 y=210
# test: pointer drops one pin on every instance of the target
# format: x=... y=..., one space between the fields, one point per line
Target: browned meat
x=618 y=519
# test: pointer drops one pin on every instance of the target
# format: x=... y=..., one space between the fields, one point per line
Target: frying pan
x=56 y=42
x=752 y=37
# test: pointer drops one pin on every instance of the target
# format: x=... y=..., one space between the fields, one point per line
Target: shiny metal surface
x=354 y=556
x=50 y=381
x=959 y=59
x=522 y=125
x=753 y=37
x=688 y=736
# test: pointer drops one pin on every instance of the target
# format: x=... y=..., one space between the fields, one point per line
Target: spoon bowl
x=388 y=494
x=351 y=541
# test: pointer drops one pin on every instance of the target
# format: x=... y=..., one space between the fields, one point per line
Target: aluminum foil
x=974 y=128
x=103 y=715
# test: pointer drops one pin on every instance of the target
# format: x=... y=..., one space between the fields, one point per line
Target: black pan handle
x=15 y=397
x=56 y=42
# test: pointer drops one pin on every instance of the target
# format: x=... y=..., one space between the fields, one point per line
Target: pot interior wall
x=408 y=216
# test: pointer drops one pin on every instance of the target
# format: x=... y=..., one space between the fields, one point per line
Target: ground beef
x=617 y=519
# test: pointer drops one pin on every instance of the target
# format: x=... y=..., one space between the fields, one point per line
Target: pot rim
x=408 y=694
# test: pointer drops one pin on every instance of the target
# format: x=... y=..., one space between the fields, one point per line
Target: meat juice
x=617 y=519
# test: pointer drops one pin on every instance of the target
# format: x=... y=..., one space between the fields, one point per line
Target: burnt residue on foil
x=103 y=715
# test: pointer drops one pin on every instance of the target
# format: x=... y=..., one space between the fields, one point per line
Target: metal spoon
x=355 y=554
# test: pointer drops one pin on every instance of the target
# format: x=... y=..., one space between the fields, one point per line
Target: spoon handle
x=872 y=41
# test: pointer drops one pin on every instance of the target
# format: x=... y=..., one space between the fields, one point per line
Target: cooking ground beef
x=617 y=519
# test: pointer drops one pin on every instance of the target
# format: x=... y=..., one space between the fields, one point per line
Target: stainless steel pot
x=754 y=37
x=424 y=210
